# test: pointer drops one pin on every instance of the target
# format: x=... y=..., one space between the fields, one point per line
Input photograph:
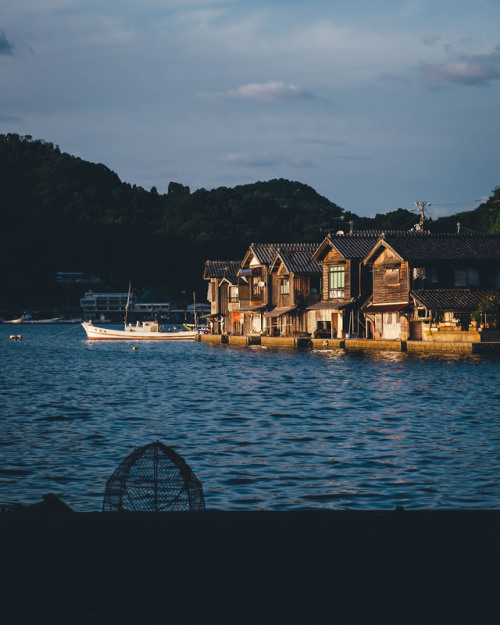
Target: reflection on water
x=261 y=428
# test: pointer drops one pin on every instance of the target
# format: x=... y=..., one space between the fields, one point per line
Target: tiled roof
x=330 y=305
x=429 y=247
x=459 y=300
x=266 y=252
x=299 y=261
x=356 y=244
x=220 y=269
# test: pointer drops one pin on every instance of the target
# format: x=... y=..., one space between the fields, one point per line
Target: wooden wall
x=383 y=292
x=335 y=258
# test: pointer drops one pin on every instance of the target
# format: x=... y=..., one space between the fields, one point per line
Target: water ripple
x=262 y=429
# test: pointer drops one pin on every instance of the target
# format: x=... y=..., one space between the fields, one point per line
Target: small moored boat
x=141 y=331
x=146 y=331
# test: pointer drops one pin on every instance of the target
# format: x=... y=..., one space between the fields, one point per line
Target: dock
x=351 y=344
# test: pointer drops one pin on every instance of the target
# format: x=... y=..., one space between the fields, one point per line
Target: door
x=390 y=326
x=415 y=330
x=335 y=324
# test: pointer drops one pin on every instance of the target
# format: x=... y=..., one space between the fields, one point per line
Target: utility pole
x=421 y=208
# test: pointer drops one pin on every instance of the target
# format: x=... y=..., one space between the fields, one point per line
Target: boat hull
x=95 y=333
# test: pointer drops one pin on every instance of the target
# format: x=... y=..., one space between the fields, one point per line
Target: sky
x=376 y=104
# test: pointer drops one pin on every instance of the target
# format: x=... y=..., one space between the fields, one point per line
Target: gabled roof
x=422 y=247
x=459 y=300
x=351 y=245
x=221 y=269
x=296 y=261
x=266 y=252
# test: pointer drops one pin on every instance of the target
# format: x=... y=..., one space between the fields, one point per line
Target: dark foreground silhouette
x=405 y=567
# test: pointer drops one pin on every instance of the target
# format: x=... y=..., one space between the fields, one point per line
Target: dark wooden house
x=296 y=279
x=255 y=285
x=222 y=294
x=422 y=279
x=346 y=285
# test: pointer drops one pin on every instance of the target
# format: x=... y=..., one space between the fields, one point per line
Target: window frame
x=336 y=282
x=392 y=276
x=285 y=286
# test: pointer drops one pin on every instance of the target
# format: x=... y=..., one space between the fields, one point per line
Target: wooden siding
x=347 y=279
x=383 y=292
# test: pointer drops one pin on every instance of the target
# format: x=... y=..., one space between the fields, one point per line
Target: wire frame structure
x=153 y=478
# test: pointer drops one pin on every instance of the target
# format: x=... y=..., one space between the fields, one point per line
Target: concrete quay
x=352 y=344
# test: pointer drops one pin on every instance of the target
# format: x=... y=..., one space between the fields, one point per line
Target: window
x=233 y=294
x=392 y=276
x=285 y=286
x=256 y=288
x=472 y=277
x=467 y=277
x=336 y=282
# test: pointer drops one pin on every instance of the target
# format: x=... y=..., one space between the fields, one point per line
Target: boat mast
x=128 y=301
x=194 y=311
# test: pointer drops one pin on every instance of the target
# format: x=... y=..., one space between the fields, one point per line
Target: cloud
x=430 y=41
x=7 y=119
x=327 y=142
x=5 y=46
x=472 y=70
x=267 y=92
x=265 y=159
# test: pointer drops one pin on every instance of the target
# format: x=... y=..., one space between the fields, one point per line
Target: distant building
x=76 y=277
x=151 y=309
x=105 y=305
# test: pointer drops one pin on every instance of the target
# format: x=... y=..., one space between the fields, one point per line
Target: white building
x=108 y=305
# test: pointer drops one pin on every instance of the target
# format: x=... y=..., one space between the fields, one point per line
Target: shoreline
x=352 y=344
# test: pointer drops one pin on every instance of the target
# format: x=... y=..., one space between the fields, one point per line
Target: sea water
x=275 y=429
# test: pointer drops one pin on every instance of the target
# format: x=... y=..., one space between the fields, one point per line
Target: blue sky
x=376 y=104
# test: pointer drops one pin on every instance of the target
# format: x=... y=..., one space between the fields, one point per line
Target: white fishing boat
x=141 y=331
x=145 y=331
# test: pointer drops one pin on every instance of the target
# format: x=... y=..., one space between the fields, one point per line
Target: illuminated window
x=336 y=282
x=233 y=294
x=285 y=286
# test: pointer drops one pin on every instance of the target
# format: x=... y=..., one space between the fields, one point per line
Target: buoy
x=134 y=347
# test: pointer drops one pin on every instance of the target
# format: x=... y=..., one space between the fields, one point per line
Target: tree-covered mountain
x=61 y=213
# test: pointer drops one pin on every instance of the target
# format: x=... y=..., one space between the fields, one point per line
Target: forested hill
x=61 y=213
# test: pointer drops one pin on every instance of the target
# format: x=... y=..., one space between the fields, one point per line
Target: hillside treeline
x=61 y=213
